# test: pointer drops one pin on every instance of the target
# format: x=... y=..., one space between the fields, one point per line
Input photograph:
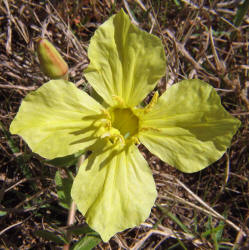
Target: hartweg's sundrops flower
x=186 y=126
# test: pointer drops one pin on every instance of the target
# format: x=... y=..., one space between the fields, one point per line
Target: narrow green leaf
x=22 y=158
x=87 y=243
x=47 y=235
x=9 y=140
x=174 y=218
x=174 y=246
x=82 y=229
x=66 y=161
x=63 y=186
x=2 y=213
x=225 y=247
x=182 y=244
x=177 y=3
x=63 y=162
x=241 y=12
x=218 y=234
x=211 y=231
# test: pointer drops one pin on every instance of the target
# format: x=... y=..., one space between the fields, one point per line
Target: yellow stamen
x=152 y=102
x=135 y=140
x=119 y=100
x=106 y=113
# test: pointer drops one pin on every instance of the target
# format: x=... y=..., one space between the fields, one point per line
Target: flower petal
x=124 y=61
x=188 y=127
x=57 y=119
x=114 y=189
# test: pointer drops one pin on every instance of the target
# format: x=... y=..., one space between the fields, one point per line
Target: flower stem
x=72 y=210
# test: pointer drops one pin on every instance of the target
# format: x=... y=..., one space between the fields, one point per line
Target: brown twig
x=72 y=210
x=17 y=87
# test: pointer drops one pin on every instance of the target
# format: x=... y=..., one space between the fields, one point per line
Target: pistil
x=120 y=125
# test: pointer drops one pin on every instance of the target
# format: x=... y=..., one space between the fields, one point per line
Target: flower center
x=125 y=121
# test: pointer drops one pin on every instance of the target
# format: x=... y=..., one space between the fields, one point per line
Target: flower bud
x=51 y=62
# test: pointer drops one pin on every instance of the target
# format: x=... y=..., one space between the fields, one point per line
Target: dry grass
x=191 y=209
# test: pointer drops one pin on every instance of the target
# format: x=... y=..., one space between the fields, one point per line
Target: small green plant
x=215 y=233
x=242 y=10
x=186 y=126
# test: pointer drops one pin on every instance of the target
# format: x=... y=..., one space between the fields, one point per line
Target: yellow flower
x=186 y=127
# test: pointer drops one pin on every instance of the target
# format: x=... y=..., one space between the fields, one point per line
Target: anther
x=119 y=100
x=152 y=102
